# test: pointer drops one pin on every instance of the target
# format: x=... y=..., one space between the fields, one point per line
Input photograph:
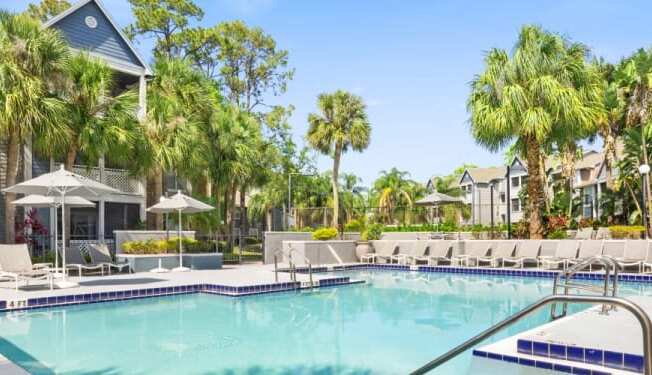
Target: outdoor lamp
x=644 y=169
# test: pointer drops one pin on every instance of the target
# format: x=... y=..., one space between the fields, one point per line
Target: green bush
x=373 y=232
x=558 y=234
x=324 y=234
x=626 y=231
x=163 y=246
x=353 y=226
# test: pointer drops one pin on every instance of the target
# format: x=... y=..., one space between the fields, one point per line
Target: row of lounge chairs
x=16 y=264
x=630 y=254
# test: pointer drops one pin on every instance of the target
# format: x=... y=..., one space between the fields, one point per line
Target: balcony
x=115 y=178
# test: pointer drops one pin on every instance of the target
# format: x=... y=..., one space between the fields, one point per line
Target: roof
x=484 y=175
x=75 y=7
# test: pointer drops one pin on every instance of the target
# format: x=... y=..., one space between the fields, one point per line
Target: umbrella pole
x=64 y=283
x=56 y=240
x=180 y=242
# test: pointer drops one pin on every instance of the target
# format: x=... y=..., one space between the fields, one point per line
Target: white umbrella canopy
x=180 y=203
x=62 y=183
x=35 y=200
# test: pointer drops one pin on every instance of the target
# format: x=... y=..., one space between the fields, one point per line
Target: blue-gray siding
x=103 y=39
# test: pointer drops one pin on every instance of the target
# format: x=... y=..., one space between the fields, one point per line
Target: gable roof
x=112 y=61
x=484 y=175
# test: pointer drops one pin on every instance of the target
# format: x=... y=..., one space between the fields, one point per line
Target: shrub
x=373 y=232
x=556 y=222
x=353 y=226
x=626 y=231
x=324 y=234
x=558 y=234
x=161 y=246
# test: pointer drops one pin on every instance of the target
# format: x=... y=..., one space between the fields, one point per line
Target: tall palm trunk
x=334 y=181
x=534 y=188
x=13 y=146
x=609 y=154
x=232 y=191
x=243 y=217
x=71 y=155
x=646 y=180
x=154 y=193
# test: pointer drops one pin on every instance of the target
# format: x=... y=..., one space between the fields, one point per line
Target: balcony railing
x=115 y=178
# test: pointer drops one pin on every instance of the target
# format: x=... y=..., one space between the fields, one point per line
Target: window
x=523 y=180
x=502 y=198
x=516 y=182
x=516 y=205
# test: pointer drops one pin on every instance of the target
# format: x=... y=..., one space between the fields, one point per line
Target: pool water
x=391 y=325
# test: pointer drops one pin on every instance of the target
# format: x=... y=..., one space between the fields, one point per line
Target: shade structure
x=62 y=183
x=182 y=204
x=35 y=200
x=437 y=199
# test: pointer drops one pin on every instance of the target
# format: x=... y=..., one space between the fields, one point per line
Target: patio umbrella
x=180 y=203
x=35 y=200
x=436 y=200
x=62 y=183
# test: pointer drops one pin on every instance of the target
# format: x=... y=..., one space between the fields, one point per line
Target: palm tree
x=610 y=125
x=545 y=92
x=342 y=124
x=97 y=123
x=634 y=75
x=31 y=59
x=170 y=125
x=392 y=189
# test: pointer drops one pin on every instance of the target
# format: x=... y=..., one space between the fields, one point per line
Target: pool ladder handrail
x=564 y=280
x=636 y=310
x=292 y=266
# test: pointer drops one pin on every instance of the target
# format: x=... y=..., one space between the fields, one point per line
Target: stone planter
x=362 y=248
x=195 y=261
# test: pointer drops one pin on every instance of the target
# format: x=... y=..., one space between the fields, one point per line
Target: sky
x=411 y=62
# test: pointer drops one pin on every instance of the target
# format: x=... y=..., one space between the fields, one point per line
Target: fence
x=250 y=250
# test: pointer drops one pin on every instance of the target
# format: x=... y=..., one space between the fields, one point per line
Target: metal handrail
x=641 y=316
x=305 y=259
x=292 y=265
x=608 y=262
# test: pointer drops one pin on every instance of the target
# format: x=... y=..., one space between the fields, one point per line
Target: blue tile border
x=605 y=358
x=121 y=295
x=537 y=363
x=515 y=272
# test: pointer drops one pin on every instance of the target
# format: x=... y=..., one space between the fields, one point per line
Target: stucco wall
x=321 y=252
x=273 y=241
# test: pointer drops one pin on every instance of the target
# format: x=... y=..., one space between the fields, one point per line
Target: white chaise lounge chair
x=100 y=254
x=408 y=249
x=500 y=251
x=473 y=249
x=526 y=251
x=436 y=251
x=565 y=252
x=76 y=261
x=383 y=250
x=16 y=265
x=588 y=249
x=636 y=254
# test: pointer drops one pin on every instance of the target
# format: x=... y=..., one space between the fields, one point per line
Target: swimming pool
x=390 y=325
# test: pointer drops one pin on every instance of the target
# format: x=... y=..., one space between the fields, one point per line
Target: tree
x=162 y=19
x=543 y=93
x=31 y=59
x=173 y=99
x=610 y=125
x=245 y=61
x=341 y=124
x=47 y=9
x=393 y=189
x=96 y=122
x=635 y=79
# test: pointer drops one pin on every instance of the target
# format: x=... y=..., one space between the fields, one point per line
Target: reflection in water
x=390 y=325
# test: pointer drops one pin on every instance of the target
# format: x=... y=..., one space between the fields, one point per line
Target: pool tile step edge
x=576 y=354
x=548 y=364
x=224 y=290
